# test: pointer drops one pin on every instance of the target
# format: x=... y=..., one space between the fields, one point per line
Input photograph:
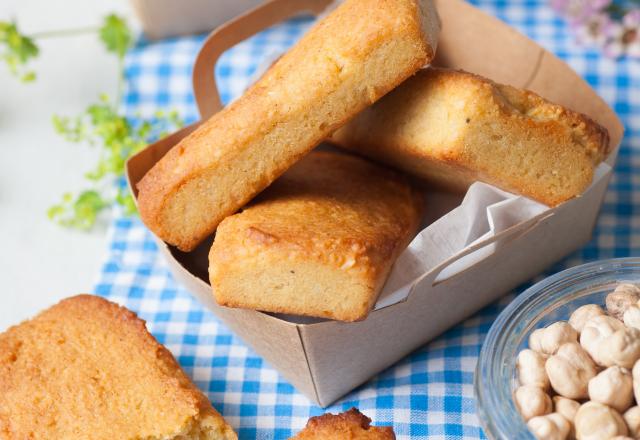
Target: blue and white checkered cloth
x=429 y=394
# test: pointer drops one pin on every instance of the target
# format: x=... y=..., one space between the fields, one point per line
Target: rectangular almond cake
x=320 y=241
x=453 y=128
x=359 y=52
x=87 y=368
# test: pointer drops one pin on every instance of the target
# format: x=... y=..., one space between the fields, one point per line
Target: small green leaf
x=16 y=50
x=72 y=130
x=80 y=212
x=55 y=211
x=116 y=35
x=28 y=77
x=87 y=207
x=59 y=124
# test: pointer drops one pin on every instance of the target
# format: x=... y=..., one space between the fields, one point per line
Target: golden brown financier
x=320 y=241
x=87 y=368
x=352 y=425
x=359 y=52
x=453 y=128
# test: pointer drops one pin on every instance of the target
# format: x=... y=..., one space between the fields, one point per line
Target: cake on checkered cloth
x=88 y=369
x=351 y=425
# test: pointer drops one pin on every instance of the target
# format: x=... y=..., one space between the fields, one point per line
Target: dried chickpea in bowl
x=562 y=361
x=587 y=359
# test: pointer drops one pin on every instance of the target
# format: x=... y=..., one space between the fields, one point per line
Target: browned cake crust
x=89 y=369
x=350 y=425
x=453 y=128
x=359 y=52
x=319 y=242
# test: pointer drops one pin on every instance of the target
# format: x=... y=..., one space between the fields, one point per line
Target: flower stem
x=120 y=84
x=64 y=32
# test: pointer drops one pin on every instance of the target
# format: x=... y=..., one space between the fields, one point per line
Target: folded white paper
x=484 y=212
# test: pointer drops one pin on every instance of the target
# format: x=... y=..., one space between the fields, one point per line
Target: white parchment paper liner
x=485 y=211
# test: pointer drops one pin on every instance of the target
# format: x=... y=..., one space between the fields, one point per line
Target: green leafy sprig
x=117 y=39
x=116 y=35
x=103 y=126
x=17 y=50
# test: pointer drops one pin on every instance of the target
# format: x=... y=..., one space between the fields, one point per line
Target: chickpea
x=583 y=314
x=570 y=371
x=595 y=421
x=635 y=374
x=550 y=427
x=612 y=387
x=532 y=401
x=610 y=342
x=621 y=348
x=632 y=418
x=596 y=329
x=624 y=296
x=547 y=340
x=631 y=317
x=566 y=407
x=530 y=366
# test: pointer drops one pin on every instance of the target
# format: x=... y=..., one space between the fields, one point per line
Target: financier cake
x=320 y=241
x=359 y=52
x=453 y=128
x=87 y=368
x=350 y=425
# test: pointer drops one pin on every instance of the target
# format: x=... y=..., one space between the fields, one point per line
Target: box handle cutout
x=234 y=32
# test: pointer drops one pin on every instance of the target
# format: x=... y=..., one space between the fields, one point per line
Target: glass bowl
x=552 y=299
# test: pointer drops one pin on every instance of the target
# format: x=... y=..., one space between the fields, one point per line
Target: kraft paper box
x=326 y=359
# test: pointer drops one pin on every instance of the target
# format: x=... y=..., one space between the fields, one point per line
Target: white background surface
x=41 y=262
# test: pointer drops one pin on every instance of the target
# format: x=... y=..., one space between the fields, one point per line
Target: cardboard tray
x=325 y=360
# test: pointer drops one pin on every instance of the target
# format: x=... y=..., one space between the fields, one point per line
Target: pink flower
x=595 y=29
x=632 y=19
x=605 y=23
x=579 y=11
x=624 y=37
